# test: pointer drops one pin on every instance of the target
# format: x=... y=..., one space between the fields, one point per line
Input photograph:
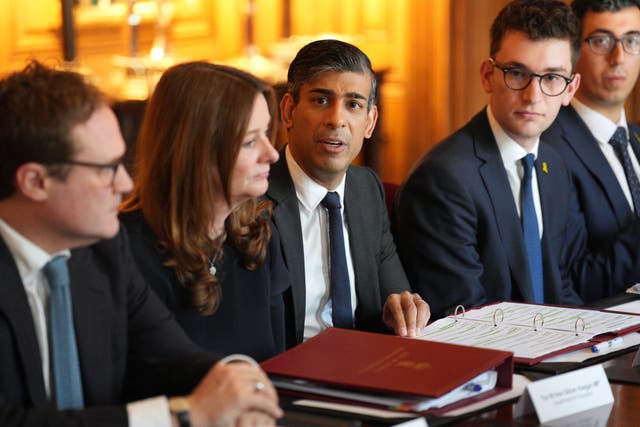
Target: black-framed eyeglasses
x=604 y=44
x=107 y=171
x=518 y=78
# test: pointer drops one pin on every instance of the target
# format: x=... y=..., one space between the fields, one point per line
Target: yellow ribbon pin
x=545 y=169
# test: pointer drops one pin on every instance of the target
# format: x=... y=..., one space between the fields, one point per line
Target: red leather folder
x=389 y=364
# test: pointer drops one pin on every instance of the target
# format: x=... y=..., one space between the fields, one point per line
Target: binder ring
x=536 y=318
x=459 y=307
x=501 y=316
x=579 y=319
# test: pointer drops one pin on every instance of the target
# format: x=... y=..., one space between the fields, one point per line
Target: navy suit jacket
x=378 y=271
x=129 y=345
x=606 y=210
x=250 y=320
x=459 y=234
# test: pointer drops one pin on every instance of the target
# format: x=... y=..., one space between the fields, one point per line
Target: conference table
x=624 y=381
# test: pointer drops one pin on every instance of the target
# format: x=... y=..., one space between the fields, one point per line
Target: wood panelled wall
x=431 y=51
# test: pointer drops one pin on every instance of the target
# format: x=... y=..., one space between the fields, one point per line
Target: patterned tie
x=530 y=230
x=619 y=143
x=340 y=288
x=66 y=368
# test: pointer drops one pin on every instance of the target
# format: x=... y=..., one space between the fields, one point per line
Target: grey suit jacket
x=376 y=265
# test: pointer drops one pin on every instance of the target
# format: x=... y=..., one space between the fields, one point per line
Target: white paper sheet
x=628 y=307
x=510 y=327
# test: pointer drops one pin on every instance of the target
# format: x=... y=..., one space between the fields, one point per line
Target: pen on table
x=606 y=345
x=472 y=387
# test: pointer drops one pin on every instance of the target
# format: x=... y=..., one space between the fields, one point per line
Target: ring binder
x=555 y=329
x=575 y=328
x=541 y=321
x=455 y=312
x=501 y=316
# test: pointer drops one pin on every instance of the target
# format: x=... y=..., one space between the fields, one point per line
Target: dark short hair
x=581 y=7
x=39 y=106
x=328 y=55
x=539 y=20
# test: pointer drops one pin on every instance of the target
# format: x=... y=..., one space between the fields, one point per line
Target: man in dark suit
x=478 y=220
x=80 y=332
x=328 y=110
x=608 y=65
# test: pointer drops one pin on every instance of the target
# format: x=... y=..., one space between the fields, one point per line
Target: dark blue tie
x=620 y=143
x=340 y=289
x=530 y=230
x=66 y=368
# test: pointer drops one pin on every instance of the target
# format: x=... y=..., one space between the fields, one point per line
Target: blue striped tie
x=340 y=289
x=530 y=230
x=620 y=143
x=66 y=368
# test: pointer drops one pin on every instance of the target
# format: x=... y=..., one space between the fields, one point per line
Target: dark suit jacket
x=458 y=232
x=606 y=210
x=377 y=269
x=128 y=343
x=250 y=318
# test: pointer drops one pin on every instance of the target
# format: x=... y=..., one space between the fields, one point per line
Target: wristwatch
x=179 y=406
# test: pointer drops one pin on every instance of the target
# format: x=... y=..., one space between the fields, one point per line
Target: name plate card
x=418 y=422
x=567 y=394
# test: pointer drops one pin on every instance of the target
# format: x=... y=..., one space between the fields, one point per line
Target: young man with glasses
x=81 y=334
x=490 y=214
x=605 y=172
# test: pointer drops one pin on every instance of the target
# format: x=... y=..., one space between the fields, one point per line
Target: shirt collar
x=600 y=126
x=309 y=192
x=29 y=257
x=510 y=151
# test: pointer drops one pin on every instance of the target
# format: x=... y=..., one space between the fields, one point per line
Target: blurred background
x=426 y=53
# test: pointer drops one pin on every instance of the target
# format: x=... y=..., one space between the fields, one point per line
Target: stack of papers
x=530 y=331
x=481 y=383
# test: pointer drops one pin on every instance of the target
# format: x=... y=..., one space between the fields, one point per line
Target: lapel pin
x=637 y=137
x=545 y=169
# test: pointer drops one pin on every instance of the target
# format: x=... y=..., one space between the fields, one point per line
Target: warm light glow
x=156 y=53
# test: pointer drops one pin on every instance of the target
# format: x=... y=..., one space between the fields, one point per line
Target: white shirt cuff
x=153 y=412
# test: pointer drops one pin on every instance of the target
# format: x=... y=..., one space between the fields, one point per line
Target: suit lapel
x=287 y=218
x=577 y=135
x=15 y=308
x=357 y=225
x=547 y=186
x=496 y=182
x=91 y=310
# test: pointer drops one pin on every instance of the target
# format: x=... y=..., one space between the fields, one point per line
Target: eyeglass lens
x=550 y=84
x=604 y=44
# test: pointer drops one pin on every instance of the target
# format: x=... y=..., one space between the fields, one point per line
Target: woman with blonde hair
x=200 y=233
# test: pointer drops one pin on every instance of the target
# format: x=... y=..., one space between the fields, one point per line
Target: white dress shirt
x=315 y=238
x=30 y=260
x=512 y=154
x=602 y=130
